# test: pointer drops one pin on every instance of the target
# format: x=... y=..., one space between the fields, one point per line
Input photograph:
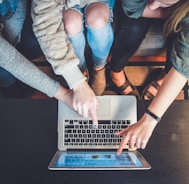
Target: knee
x=72 y=22
x=97 y=15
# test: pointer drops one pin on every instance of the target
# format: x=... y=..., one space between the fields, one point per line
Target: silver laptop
x=82 y=147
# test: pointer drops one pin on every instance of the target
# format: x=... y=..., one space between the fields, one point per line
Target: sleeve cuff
x=73 y=76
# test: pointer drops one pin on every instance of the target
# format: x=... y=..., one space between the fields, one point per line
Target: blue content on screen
x=98 y=159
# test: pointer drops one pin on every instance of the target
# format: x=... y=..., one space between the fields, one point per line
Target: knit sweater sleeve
x=14 y=62
x=49 y=30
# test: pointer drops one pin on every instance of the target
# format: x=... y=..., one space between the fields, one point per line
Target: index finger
x=122 y=144
x=94 y=118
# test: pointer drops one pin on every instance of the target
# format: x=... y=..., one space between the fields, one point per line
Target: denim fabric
x=11 y=32
x=8 y=5
x=179 y=52
x=28 y=42
x=13 y=26
x=100 y=41
x=78 y=42
x=6 y=78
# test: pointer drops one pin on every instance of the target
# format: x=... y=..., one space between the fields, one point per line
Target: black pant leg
x=127 y=40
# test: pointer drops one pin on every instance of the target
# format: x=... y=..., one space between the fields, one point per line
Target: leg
x=151 y=90
x=73 y=22
x=9 y=85
x=6 y=78
x=28 y=40
x=99 y=32
x=13 y=26
x=100 y=37
x=127 y=41
x=11 y=32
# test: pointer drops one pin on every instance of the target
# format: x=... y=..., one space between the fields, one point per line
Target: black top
x=28 y=141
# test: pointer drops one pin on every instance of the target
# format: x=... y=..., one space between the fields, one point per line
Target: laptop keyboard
x=81 y=133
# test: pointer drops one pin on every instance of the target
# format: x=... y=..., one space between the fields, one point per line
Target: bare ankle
x=118 y=77
x=98 y=69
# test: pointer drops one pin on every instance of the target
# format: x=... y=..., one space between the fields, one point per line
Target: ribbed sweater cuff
x=73 y=76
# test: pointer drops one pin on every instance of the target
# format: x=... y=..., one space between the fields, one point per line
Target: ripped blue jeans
x=99 y=40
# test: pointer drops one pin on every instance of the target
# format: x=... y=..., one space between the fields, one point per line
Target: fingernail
x=95 y=126
x=118 y=153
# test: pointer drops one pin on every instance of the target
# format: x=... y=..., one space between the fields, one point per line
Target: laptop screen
x=98 y=159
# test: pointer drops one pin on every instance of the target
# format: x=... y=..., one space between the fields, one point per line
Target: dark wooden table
x=28 y=141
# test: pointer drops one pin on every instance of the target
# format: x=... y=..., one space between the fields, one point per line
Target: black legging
x=127 y=40
x=129 y=33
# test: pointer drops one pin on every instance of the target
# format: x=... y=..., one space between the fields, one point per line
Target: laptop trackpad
x=104 y=109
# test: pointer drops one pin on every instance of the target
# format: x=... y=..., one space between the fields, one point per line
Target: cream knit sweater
x=49 y=30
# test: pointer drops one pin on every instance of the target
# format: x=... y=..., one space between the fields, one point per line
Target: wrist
x=80 y=85
x=153 y=115
x=61 y=93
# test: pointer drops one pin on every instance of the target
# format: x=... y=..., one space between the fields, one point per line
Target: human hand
x=65 y=95
x=138 y=134
x=85 y=101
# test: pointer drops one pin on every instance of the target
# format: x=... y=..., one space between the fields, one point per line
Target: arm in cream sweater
x=49 y=30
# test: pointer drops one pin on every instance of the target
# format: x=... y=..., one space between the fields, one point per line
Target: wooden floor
x=139 y=76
